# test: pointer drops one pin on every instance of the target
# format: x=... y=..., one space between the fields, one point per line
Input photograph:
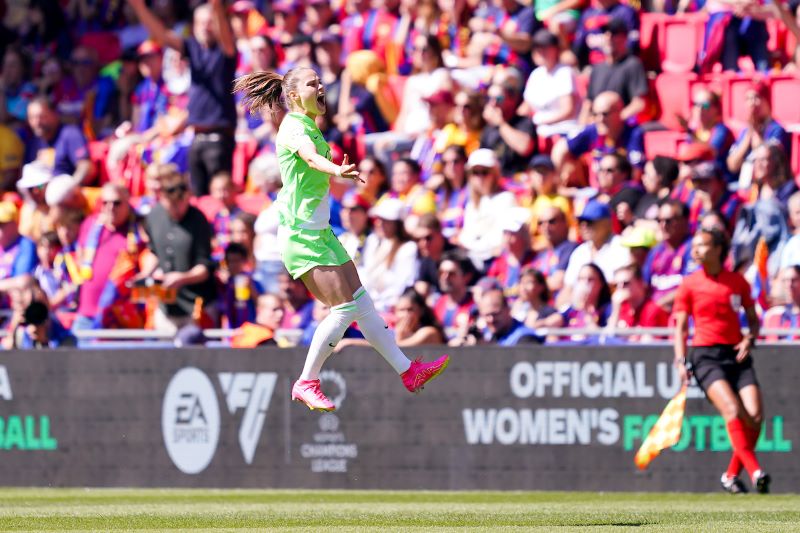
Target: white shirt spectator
x=542 y=94
x=482 y=232
x=385 y=283
x=609 y=258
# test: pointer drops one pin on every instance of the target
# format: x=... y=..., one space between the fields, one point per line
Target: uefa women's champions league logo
x=190 y=415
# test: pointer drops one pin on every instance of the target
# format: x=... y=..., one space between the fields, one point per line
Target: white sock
x=328 y=334
x=377 y=332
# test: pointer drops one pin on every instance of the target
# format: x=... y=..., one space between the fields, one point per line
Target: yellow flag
x=665 y=433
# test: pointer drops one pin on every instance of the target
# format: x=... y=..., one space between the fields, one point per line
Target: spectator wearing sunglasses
x=671 y=259
x=109 y=245
x=705 y=125
x=180 y=238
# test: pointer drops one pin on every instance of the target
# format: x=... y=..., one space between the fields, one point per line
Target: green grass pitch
x=323 y=511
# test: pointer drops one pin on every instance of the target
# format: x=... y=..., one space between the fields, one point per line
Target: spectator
x=510 y=136
x=500 y=327
x=467 y=125
x=621 y=72
x=600 y=246
x=238 y=302
x=39 y=329
x=62 y=148
x=86 y=98
x=588 y=44
x=110 y=244
x=407 y=187
x=12 y=156
x=623 y=203
x=63 y=193
x=553 y=258
x=550 y=96
x=590 y=305
x=15 y=89
x=613 y=174
x=18 y=257
x=180 y=239
x=34 y=217
x=545 y=189
x=211 y=52
x=759 y=129
x=431 y=247
x=242 y=231
x=482 y=232
x=451 y=189
x=710 y=193
x=671 y=259
x=790 y=254
x=657 y=179
x=772 y=177
x=454 y=308
x=786 y=315
x=631 y=305
x=609 y=134
x=46 y=275
x=67 y=261
x=639 y=240
x=427 y=147
x=389 y=256
x=152 y=101
x=270 y=311
x=533 y=305
x=223 y=191
x=298 y=304
x=355 y=222
x=516 y=253
x=732 y=28
x=375 y=183
x=415 y=323
x=705 y=125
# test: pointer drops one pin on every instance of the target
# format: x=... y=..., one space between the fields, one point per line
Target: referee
x=720 y=358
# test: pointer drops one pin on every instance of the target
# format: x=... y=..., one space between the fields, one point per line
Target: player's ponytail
x=262 y=90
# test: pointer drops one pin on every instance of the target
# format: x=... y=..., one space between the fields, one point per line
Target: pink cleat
x=419 y=373
x=309 y=393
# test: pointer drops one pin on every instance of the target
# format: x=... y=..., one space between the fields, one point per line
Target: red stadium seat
x=664 y=142
x=650 y=28
x=680 y=39
x=674 y=97
x=785 y=92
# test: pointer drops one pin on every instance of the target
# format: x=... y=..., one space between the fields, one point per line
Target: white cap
x=388 y=209
x=514 y=218
x=58 y=189
x=482 y=157
x=33 y=175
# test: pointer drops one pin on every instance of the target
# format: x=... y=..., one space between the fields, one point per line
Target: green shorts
x=304 y=249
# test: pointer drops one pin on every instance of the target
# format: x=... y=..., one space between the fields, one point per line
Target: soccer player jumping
x=309 y=249
x=720 y=357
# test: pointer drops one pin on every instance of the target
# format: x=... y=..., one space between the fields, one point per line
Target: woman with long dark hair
x=309 y=249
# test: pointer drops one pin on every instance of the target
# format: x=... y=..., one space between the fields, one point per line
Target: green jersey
x=303 y=199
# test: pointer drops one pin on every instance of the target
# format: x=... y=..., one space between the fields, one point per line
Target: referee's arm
x=749 y=341
x=681 y=332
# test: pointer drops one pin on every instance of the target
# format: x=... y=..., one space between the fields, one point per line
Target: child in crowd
x=238 y=294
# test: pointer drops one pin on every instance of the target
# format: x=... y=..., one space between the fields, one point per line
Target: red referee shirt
x=714 y=303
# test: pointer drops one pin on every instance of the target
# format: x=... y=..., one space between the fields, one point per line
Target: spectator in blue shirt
x=608 y=135
x=501 y=328
x=761 y=127
x=61 y=147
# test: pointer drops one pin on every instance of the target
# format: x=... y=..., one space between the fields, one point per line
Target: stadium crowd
x=527 y=164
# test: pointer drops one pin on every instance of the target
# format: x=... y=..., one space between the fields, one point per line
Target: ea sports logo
x=190 y=420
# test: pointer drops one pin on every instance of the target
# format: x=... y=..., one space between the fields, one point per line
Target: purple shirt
x=63 y=154
x=629 y=144
x=211 y=102
x=665 y=267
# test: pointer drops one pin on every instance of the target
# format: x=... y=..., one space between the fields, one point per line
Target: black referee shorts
x=712 y=363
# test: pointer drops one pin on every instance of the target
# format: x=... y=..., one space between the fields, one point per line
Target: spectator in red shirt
x=454 y=307
x=720 y=356
x=630 y=305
